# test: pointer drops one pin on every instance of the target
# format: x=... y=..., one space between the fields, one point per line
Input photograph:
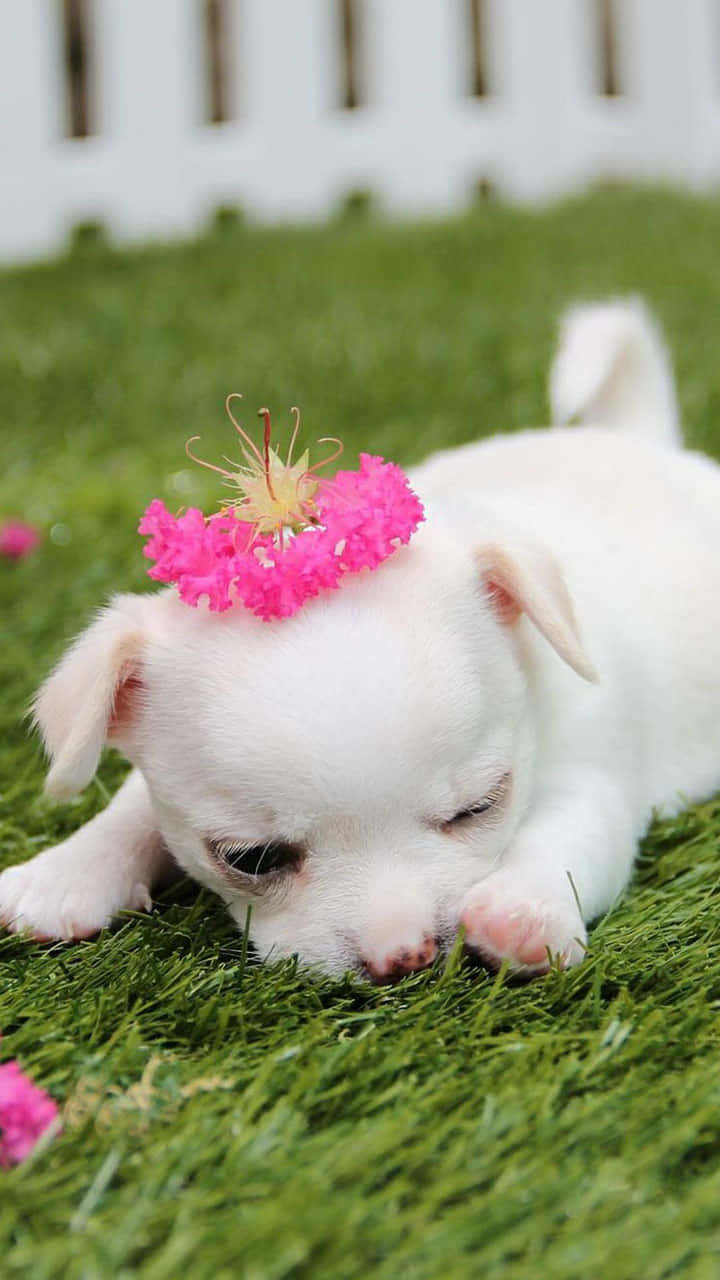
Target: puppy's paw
x=61 y=895
x=505 y=922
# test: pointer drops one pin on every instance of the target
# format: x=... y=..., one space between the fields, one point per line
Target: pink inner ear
x=504 y=604
x=125 y=700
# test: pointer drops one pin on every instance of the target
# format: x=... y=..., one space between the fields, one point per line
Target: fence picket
x=418 y=137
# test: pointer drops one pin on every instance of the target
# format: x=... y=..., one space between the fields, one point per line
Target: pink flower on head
x=17 y=539
x=372 y=509
x=358 y=520
x=25 y=1113
x=286 y=535
x=191 y=551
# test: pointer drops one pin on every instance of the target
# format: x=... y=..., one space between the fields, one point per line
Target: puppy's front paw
x=57 y=895
x=505 y=922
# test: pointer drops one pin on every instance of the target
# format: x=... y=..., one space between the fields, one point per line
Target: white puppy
x=477 y=733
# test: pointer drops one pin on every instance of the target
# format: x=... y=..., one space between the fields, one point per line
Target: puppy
x=475 y=734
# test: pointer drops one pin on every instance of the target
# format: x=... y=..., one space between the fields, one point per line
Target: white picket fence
x=420 y=141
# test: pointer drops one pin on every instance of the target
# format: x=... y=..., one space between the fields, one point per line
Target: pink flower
x=25 y=1113
x=17 y=539
x=362 y=517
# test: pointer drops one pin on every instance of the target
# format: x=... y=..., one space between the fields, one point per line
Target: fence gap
x=478 y=50
x=606 y=21
x=77 y=53
x=351 y=95
x=217 y=24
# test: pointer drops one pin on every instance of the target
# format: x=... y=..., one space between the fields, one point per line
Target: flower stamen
x=276 y=497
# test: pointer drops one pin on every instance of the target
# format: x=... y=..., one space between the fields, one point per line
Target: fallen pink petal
x=26 y=1112
x=17 y=539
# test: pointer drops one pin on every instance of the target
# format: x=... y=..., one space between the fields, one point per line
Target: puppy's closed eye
x=257 y=861
x=474 y=811
x=492 y=801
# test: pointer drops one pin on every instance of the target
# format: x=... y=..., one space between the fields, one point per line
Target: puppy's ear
x=88 y=699
x=527 y=579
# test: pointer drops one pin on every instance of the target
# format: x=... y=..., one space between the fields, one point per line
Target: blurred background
x=145 y=118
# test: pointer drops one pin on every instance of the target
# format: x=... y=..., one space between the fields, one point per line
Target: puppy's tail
x=612 y=369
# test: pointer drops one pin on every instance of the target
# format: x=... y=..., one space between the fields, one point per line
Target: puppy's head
x=350 y=772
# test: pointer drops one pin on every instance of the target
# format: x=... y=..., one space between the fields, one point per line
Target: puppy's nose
x=403 y=961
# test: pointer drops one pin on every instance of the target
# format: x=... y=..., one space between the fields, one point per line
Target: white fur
x=612 y=370
x=555 y=619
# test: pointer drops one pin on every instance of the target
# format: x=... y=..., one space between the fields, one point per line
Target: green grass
x=224 y=1119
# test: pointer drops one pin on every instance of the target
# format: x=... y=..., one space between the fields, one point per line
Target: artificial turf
x=225 y=1119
